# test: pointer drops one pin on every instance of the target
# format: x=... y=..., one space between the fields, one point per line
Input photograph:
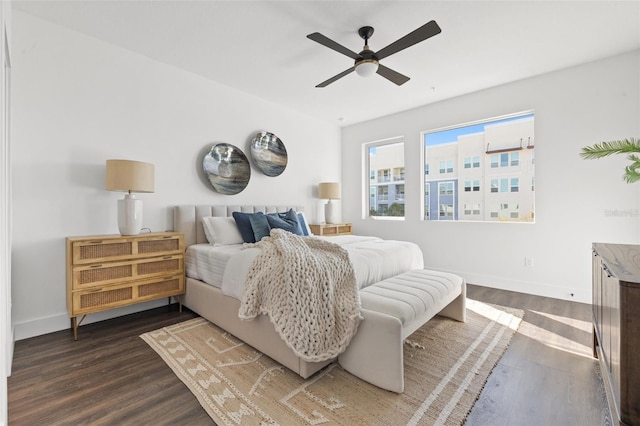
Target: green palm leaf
x=625 y=146
x=605 y=149
x=631 y=173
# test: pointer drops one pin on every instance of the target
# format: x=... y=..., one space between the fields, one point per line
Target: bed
x=213 y=285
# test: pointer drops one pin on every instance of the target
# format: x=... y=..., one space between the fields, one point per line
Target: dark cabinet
x=616 y=326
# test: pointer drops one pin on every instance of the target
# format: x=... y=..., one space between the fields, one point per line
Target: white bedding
x=373 y=259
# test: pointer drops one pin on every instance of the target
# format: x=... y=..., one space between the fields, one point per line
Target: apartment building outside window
x=489 y=163
x=385 y=161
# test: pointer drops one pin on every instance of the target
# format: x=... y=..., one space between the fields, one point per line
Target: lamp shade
x=329 y=190
x=129 y=176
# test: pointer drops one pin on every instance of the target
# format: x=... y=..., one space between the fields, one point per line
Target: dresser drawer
x=108 y=273
x=107 y=297
x=112 y=249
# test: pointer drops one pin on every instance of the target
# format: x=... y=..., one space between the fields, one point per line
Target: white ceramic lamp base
x=331 y=213
x=129 y=215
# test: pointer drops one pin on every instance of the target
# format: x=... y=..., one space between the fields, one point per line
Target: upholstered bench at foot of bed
x=393 y=309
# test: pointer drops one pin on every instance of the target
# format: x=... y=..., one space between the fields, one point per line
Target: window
x=506 y=212
x=504 y=184
x=446 y=211
x=384 y=175
x=383 y=193
x=446 y=166
x=484 y=161
x=385 y=165
x=472 y=162
x=504 y=159
x=426 y=201
x=445 y=188
x=515 y=182
x=472 y=209
x=398 y=174
x=515 y=158
x=469 y=186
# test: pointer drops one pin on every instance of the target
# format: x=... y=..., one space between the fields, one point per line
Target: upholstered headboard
x=188 y=218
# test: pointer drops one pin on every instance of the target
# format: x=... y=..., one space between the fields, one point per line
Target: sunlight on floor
x=488 y=311
x=556 y=341
x=582 y=325
x=536 y=332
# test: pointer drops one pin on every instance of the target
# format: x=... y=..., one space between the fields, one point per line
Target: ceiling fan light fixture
x=367 y=67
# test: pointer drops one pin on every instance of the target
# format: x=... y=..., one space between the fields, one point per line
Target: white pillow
x=306 y=223
x=221 y=230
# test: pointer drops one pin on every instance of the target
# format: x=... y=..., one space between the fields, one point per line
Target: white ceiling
x=260 y=47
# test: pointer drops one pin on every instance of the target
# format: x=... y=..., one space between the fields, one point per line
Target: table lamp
x=129 y=176
x=330 y=191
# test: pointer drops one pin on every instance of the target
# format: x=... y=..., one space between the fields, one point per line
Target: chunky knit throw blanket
x=308 y=289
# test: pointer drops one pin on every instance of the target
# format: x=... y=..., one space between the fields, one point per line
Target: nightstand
x=331 y=229
x=110 y=271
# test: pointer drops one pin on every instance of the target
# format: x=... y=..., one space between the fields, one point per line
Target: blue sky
x=451 y=135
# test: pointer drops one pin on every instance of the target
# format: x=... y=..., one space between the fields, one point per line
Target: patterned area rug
x=446 y=362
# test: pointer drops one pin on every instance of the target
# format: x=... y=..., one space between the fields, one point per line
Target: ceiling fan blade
x=336 y=77
x=429 y=29
x=391 y=75
x=326 y=41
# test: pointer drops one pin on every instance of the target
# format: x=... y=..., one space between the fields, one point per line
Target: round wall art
x=269 y=153
x=227 y=168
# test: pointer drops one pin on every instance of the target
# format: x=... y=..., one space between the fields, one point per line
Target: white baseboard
x=45 y=325
x=580 y=295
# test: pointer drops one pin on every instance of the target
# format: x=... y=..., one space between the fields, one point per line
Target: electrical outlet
x=528 y=262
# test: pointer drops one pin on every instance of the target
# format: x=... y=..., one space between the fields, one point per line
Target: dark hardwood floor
x=547 y=376
x=110 y=376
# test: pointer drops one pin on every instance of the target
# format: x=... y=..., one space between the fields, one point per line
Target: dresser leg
x=74 y=327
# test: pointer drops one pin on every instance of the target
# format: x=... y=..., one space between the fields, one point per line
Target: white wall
x=577 y=201
x=6 y=325
x=79 y=101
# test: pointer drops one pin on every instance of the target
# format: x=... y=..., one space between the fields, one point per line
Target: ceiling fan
x=367 y=62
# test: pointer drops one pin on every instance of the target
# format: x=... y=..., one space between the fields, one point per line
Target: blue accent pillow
x=287 y=221
x=244 y=226
x=260 y=225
